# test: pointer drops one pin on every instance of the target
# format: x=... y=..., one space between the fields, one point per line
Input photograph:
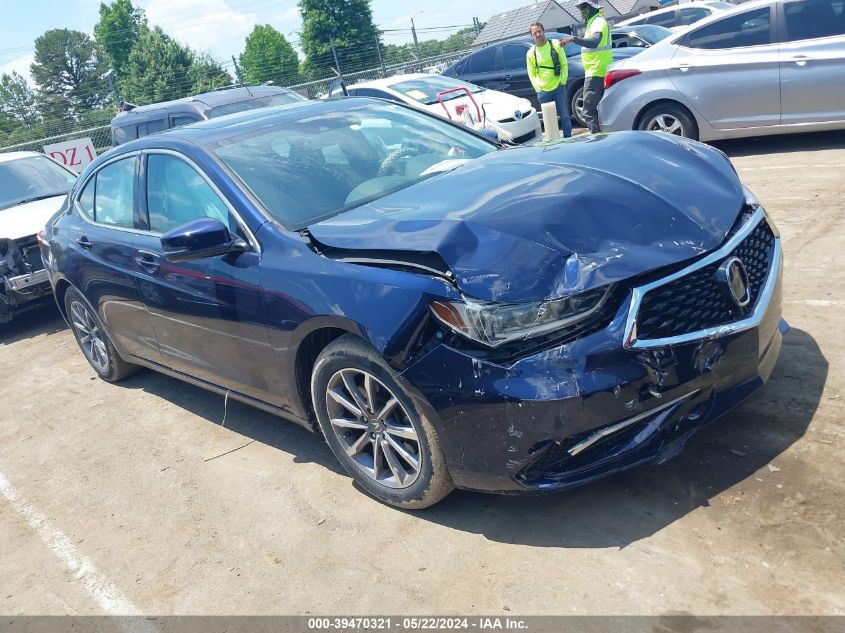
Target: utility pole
x=238 y=71
x=414 y=33
x=336 y=63
x=476 y=25
x=380 y=59
x=110 y=78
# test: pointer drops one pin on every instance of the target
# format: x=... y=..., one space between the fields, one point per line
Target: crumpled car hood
x=553 y=220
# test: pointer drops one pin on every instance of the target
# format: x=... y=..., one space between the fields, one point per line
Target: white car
x=513 y=118
x=32 y=188
x=678 y=16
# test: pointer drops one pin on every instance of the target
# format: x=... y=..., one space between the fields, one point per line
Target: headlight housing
x=494 y=324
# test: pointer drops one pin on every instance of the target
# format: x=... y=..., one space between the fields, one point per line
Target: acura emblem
x=736 y=278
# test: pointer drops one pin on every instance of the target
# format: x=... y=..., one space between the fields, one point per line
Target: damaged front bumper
x=24 y=283
x=608 y=401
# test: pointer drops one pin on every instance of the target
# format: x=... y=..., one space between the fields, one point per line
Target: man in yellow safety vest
x=548 y=71
x=596 y=55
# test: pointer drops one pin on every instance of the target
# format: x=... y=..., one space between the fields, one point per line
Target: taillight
x=41 y=236
x=615 y=76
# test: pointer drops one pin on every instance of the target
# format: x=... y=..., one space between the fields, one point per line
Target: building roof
x=516 y=21
x=623 y=7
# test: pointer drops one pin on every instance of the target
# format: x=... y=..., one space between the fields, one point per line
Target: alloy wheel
x=90 y=336
x=665 y=123
x=579 y=107
x=374 y=428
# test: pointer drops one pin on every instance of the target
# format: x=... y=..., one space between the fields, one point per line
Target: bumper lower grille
x=701 y=299
x=525 y=137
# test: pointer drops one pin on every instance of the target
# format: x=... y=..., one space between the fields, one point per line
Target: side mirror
x=197 y=239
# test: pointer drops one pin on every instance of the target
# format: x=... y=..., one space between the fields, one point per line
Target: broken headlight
x=494 y=324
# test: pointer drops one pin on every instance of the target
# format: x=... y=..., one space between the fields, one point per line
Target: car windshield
x=425 y=89
x=653 y=33
x=252 y=104
x=33 y=178
x=314 y=168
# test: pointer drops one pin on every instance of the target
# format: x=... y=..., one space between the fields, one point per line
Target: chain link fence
x=320 y=88
x=100 y=136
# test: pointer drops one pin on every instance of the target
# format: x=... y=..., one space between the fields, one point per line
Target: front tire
x=94 y=340
x=670 y=118
x=374 y=429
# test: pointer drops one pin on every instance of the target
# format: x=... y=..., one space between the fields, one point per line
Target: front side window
x=108 y=198
x=177 y=121
x=317 y=167
x=513 y=57
x=751 y=28
x=811 y=19
x=32 y=178
x=177 y=194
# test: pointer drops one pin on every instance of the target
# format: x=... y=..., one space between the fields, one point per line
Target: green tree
x=349 y=23
x=117 y=31
x=206 y=74
x=268 y=56
x=161 y=69
x=17 y=101
x=68 y=70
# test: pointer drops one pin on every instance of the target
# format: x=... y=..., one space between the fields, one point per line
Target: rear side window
x=663 y=19
x=108 y=198
x=810 y=19
x=690 y=15
x=484 y=61
x=124 y=134
x=752 y=28
x=176 y=121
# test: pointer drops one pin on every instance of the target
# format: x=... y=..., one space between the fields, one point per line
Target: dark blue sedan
x=446 y=311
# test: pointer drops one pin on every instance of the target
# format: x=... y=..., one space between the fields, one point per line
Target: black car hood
x=552 y=220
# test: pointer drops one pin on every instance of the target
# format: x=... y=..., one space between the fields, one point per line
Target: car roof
x=395 y=79
x=201 y=102
x=212 y=130
x=693 y=3
x=8 y=156
x=678 y=34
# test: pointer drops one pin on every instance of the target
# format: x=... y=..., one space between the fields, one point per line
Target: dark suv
x=501 y=66
x=156 y=117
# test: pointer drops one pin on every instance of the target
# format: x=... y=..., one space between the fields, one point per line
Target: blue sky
x=219 y=27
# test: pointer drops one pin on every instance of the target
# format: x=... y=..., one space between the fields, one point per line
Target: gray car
x=763 y=68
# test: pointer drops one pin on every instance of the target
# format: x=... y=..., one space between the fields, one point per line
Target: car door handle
x=800 y=60
x=507 y=77
x=682 y=67
x=84 y=243
x=148 y=261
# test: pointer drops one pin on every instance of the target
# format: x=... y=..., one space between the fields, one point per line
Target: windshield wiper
x=42 y=197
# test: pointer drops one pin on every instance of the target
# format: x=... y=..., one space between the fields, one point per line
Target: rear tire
x=94 y=339
x=576 y=106
x=670 y=118
x=374 y=429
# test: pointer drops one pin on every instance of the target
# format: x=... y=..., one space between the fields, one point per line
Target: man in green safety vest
x=548 y=71
x=596 y=55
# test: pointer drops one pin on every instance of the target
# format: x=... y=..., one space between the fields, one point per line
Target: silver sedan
x=766 y=67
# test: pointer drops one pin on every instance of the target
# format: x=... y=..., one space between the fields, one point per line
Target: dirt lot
x=133 y=498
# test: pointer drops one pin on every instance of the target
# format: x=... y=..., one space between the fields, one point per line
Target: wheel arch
x=666 y=101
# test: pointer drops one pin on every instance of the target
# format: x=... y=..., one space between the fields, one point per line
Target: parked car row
x=765 y=67
x=502 y=67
